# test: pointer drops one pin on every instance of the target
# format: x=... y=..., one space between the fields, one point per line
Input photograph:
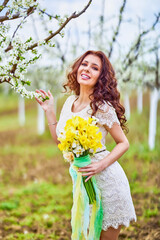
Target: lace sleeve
x=107 y=115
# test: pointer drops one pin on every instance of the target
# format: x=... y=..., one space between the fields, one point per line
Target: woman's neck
x=84 y=96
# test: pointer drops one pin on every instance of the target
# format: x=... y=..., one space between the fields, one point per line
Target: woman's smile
x=85 y=76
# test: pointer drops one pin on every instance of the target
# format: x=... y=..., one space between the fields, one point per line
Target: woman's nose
x=86 y=68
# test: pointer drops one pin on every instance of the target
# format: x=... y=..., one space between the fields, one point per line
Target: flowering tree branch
x=3 y=5
x=130 y=64
x=68 y=19
x=129 y=58
x=154 y=69
x=15 y=54
x=15 y=16
x=115 y=34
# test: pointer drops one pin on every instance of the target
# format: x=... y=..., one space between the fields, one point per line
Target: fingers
x=88 y=173
x=42 y=92
x=87 y=178
x=88 y=170
x=38 y=91
x=84 y=169
x=49 y=93
x=38 y=100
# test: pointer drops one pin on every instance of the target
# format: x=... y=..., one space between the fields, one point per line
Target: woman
x=92 y=79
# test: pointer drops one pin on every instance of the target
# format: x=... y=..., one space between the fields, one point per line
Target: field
x=35 y=186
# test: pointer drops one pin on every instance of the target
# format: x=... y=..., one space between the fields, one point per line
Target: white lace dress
x=118 y=208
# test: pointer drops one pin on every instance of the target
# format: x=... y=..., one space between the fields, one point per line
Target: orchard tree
x=17 y=54
x=154 y=71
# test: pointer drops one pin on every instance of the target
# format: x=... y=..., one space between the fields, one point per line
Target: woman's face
x=89 y=70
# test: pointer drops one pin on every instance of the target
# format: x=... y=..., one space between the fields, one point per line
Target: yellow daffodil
x=80 y=135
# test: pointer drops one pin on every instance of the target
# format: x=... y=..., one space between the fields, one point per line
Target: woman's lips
x=84 y=76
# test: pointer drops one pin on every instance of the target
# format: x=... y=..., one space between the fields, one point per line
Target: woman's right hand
x=47 y=105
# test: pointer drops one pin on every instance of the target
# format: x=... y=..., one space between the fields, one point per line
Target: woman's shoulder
x=66 y=104
x=106 y=106
x=107 y=114
x=70 y=98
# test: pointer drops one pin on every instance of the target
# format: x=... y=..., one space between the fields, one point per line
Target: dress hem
x=116 y=224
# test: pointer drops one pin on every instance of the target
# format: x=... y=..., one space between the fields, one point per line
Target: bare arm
x=48 y=107
x=51 y=117
x=121 y=147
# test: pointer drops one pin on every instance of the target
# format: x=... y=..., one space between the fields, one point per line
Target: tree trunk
x=139 y=100
x=127 y=106
x=153 y=118
x=41 y=120
x=21 y=111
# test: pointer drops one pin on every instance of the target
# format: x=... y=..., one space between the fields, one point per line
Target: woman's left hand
x=91 y=169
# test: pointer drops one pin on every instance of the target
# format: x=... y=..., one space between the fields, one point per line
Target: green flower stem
x=87 y=187
x=81 y=162
x=90 y=190
x=91 y=187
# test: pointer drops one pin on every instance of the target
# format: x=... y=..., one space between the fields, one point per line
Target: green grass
x=37 y=204
x=148 y=213
x=27 y=149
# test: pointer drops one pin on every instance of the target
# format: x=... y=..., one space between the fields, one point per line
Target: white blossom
x=68 y=156
x=74 y=145
x=18 y=54
x=95 y=120
x=78 y=151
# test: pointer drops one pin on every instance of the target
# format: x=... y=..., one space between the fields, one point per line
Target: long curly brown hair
x=104 y=89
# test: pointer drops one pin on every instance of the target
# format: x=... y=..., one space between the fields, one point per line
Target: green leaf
x=44 y=99
x=28 y=40
x=57 y=16
x=28 y=83
x=25 y=82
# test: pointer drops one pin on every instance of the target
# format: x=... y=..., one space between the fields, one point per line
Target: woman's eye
x=95 y=68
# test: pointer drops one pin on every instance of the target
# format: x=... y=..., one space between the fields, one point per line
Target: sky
x=144 y=9
x=77 y=28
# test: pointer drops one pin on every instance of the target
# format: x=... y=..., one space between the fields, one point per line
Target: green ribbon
x=80 y=221
x=82 y=161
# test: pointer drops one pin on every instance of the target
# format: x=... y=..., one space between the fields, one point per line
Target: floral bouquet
x=79 y=140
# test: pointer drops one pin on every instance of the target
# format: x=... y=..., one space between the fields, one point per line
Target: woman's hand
x=47 y=105
x=91 y=169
